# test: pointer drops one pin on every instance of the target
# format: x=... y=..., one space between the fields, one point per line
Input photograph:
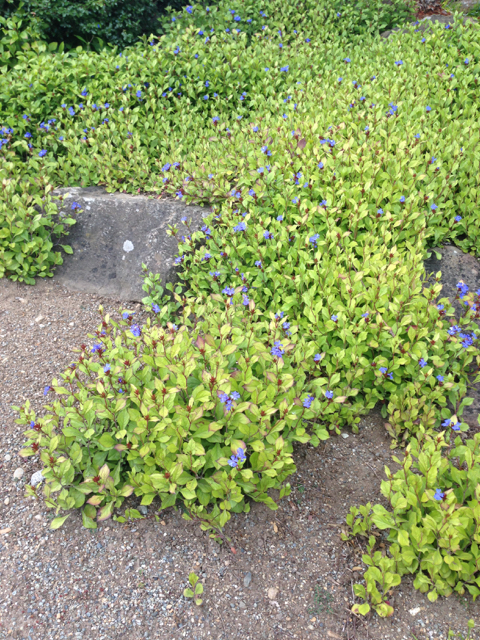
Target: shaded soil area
x=291 y=575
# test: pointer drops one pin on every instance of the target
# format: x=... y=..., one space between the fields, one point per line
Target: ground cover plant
x=334 y=161
x=95 y=24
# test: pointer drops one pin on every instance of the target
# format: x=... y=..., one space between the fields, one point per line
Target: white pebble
x=18 y=473
x=36 y=478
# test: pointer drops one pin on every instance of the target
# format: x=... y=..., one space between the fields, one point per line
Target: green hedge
x=75 y=22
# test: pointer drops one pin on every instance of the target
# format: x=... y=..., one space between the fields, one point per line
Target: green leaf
x=57 y=522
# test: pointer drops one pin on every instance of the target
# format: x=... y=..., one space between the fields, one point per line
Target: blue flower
x=440 y=378
x=106 y=368
x=457 y=218
x=307 y=403
x=402 y=199
x=428 y=109
x=240 y=452
x=96 y=347
x=329 y=394
x=155 y=308
x=433 y=207
x=46 y=390
x=462 y=289
x=75 y=206
x=399 y=63
x=135 y=329
x=258 y=263
x=439 y=495
x=453 y=330
x=346 y=60
x=277 y=350
x=245 y=301
x=320 y=165
x=189 y=9
x=334 y=318
x=268 y=235
x=228 y=291
x=379 y=212
x=241 y=226
x=233 y=461
x=422 y=363
x=317 y=357
x=42 y=153
x=313 y=239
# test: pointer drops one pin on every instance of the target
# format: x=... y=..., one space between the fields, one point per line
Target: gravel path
x=291 y=576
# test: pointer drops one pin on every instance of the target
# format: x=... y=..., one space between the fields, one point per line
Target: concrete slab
x=115 y=234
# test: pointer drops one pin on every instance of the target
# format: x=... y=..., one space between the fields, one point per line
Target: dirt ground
x=291 y=576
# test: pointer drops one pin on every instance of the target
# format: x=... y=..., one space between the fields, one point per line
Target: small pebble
x=18 y=473
x=143 y=510
x=272 y=593
x=247 y=579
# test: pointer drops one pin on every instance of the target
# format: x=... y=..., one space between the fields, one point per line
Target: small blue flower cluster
x=228 y=400
x=239 y=457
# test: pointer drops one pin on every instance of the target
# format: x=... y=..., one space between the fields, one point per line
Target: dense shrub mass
x=75 y=22
x=333 y=160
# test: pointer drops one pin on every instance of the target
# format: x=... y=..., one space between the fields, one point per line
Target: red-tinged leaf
x=302 y=143
x=105 y=512
x=210 y=339
x=126 y=491
x=95 y=500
